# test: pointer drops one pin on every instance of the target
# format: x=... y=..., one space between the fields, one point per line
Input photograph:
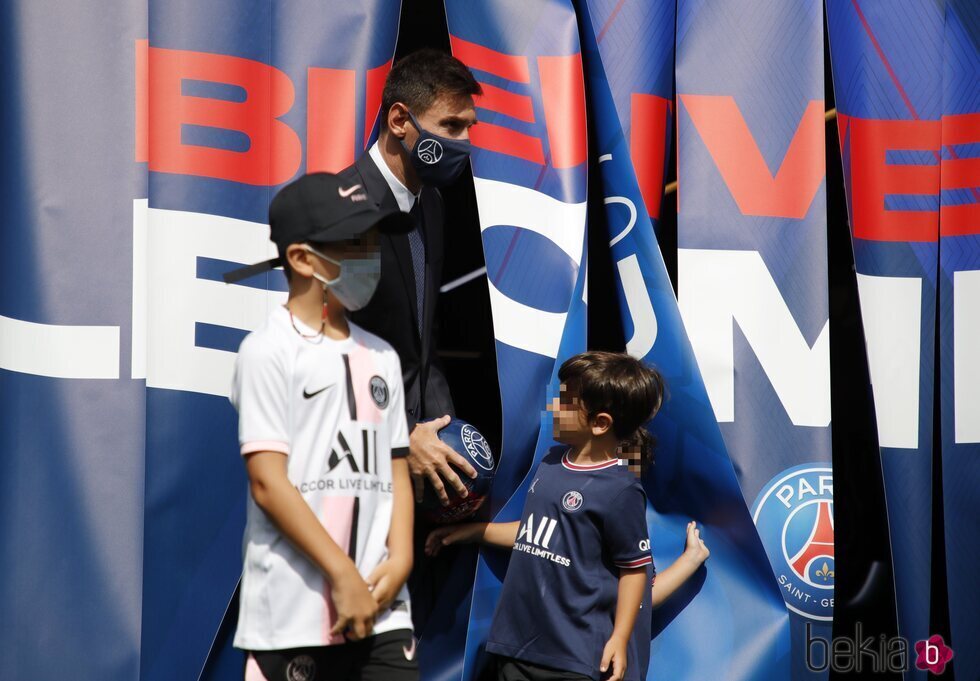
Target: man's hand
x=613 y=665
x=386 y=580
x=356 y=607
x=430 y=458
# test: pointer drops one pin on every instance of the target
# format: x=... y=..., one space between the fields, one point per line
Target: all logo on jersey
x=477 y=447
x=572 y=501
x=794 y=514
x=535 y=538
x=379 y=391
x=540 y=534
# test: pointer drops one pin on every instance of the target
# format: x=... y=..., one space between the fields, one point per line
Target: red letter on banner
x=490 y=136
x=729 y=141
x=142 y=101
x=648 y=145
x=873 y=178
x=563 y=94
x=329 y=120
x=376 y=78
x=274 y=151
x=960 y=173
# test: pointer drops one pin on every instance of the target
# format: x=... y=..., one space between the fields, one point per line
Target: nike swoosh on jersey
x=344 y=193
x=308 y=395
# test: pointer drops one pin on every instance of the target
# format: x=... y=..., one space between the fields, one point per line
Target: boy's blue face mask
x=438 y=161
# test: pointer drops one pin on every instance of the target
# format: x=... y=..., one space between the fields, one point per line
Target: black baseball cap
x=323 y=208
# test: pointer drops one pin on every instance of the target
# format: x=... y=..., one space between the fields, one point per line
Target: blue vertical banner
x=887 y=64
x=959 y=324
x=629 y=58
x=752 y=276
x=530 y=174
x=237 y=98
x=71 y=412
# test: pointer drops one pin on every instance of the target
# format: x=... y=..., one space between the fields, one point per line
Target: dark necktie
x=417 y=244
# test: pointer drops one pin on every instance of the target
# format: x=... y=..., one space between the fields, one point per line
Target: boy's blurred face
x=365 y=246
x=634 y=459
x=570 y=418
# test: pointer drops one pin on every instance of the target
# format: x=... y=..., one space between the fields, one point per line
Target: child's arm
x=502 y=535
x=632 y=588
x=284 y=505
x=671 y=579
x=388 y=578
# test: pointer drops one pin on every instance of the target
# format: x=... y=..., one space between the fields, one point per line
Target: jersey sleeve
x=397 y=423
x=259 y=393
x=625 y=534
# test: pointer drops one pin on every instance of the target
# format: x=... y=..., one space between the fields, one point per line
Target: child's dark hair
x=621 y=386
x=420 y=78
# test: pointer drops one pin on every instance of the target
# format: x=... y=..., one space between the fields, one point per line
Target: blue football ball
x=466 y=441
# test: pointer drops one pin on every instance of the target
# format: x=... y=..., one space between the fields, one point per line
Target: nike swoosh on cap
x=308 y=395
x=344 y=193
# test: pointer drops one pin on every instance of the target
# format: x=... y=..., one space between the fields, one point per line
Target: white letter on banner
x=514 y=323
x=719 y=288
x=640 y=307
x=891 y=308
x=59 y=351
x=966 y=356
x=177 y=299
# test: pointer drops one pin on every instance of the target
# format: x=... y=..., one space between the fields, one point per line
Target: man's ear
x=398 y=120
x=300 y=260
x=601 y=424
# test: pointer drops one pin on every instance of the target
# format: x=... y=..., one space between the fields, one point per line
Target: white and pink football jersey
x=336 y=409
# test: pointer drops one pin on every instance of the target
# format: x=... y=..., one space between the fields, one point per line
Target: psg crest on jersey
x=572 y=501
x=379 y=391
x=794 y=514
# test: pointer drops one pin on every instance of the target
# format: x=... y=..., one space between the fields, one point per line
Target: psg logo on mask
x=429 y=151
x=794 y=514
x=379 y=391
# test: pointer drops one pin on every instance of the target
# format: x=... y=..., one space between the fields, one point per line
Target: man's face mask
x=437 y=160
x=357 y=280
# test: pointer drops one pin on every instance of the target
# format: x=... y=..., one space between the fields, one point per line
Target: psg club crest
x=794 y=514
x=477 y=447
x=572 y=501
x=429 y=151
x=301 y=668
x=379 y=392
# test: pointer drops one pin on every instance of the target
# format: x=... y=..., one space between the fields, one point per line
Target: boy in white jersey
x=328 y=542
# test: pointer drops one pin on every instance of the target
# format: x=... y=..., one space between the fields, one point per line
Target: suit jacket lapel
x=378 y=189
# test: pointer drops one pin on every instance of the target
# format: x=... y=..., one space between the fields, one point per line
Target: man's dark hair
x=420 y=78
x=621 y=386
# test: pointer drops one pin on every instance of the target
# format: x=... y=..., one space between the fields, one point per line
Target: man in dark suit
x=426 y=112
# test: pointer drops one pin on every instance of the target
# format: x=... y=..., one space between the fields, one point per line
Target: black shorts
x=509 y=669
x=385 y=657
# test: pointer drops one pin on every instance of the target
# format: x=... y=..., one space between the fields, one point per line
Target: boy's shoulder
x=268 y=340
x=373 y=343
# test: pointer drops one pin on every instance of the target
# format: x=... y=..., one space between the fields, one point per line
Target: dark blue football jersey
x=580 y=525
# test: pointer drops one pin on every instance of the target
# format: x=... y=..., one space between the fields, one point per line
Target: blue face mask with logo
x=437 y=160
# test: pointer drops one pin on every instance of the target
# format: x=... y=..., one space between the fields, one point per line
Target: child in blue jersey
x=581 y=563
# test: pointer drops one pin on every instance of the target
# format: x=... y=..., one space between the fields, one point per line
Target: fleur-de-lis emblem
x=825 y=572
